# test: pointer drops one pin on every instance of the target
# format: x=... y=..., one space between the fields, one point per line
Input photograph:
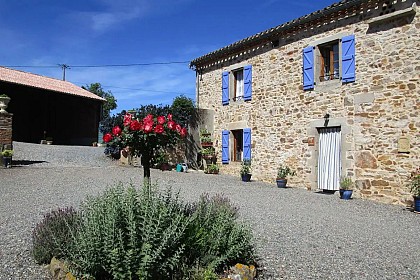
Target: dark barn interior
x=68 y=119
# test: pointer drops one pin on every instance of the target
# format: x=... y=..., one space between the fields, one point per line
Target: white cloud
x=134 y=86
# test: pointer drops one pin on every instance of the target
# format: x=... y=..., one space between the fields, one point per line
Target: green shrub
x=53 y=235
x=218 y=239
x=127 y=233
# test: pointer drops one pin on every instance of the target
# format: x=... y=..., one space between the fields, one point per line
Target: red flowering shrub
x=145 y=137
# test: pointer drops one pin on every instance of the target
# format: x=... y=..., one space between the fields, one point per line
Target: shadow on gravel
x=17 y=163
x=325 y=192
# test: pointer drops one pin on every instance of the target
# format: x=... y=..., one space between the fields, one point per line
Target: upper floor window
x=237 y=85
x=329 y=61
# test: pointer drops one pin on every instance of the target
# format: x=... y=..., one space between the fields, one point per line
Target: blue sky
x=106 y=32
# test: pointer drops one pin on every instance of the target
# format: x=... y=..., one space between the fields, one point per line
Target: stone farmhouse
x=333 y=93
x=45 y=107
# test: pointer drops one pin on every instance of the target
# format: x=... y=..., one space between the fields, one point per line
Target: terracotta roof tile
x=42 y=82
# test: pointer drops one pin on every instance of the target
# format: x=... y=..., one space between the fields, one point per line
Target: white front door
x=329 y=159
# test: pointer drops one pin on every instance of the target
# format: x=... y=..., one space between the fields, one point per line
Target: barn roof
x=42 y=82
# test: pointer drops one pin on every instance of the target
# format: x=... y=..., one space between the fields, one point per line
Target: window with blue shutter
x=247 y=144
x=247 y=82
x=348 y=59
x=225 y=146
x=308 y=68
x=225 y=88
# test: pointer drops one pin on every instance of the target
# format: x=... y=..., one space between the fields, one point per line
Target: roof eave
x=267 y=34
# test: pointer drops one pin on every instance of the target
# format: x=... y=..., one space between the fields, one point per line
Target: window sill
x=327 y=84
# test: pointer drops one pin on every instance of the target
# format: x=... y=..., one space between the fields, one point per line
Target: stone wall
x=375 y=112
x=5 y=129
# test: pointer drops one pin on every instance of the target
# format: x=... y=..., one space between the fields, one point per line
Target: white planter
x=4 y=101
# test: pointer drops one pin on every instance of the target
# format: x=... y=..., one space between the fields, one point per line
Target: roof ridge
x=35 y=74
x=44 y=82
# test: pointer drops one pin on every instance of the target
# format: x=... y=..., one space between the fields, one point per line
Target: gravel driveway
x=299 y=234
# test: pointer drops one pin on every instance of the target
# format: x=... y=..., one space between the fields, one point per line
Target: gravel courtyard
x=299 y=234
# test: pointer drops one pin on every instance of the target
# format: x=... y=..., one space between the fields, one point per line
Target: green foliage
x=202 y=274
x=212 y=169
x=207 y=151
x=127 y=233
x=7 y=153
x=111 y=102
x=217 y=238
x=53 y=235
x=205 y=139
x=156 y=110
x=346 y=183
x=246 y=167
x=184 y=111
x=414 y=182
x=4 y=95
x=285 y=171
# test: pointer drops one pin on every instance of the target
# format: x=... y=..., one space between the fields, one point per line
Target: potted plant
x=208 y=154
x=414 y=184
x=162 y=161
x=206 y=141
x=346 y=188
x=246 y=170
x=212 y=169
x=282 y=174
x=49 y=140
x=7 y=158
x=4 y=101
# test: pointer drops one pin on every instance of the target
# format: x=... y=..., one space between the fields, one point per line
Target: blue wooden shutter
x=247 y=82
x=247 y=144
x=308 y=68
x=348 y=59
x=225 y=88
x=225 y=146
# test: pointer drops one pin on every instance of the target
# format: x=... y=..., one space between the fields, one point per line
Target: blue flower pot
x=281 y=183
x=7 y=162
x=246 y=177
x=346 y=194
x=417 y=204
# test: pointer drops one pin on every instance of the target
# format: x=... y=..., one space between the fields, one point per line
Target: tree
x=146 y=136
x=184 y=111
x=110 y=104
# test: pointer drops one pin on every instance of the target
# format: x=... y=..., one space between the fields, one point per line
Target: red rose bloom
x=149 y=117
x=170 y=117
x=107 y=137
x=116 y=130
x=171 y=125
x=135 y=125
x=159 y=128
x=127 y=119
x=148 y=127
x=183 y=132
x=161 y=119
x=178 y=128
